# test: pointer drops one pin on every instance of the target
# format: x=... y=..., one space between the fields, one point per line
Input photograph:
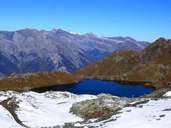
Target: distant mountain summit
x=160 y=50
x=31 y=50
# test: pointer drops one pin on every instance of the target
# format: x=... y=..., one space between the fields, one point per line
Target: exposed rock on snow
x=104 y=105
x=154 y=114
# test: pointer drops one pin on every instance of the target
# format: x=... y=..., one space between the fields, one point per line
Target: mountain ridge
x=32 y=50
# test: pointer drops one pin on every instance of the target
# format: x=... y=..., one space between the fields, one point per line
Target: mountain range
x=150 y=67
x=31 y=50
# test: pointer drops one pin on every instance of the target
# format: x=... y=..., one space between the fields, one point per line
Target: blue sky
x=140 y=19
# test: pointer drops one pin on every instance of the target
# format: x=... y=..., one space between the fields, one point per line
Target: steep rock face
x=31 y=50
x=152 y=65
x=6 y=66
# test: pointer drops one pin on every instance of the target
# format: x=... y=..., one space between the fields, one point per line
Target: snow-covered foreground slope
x=52 y=109
x=6 y=119
x=48 y=109
x=42 y=110
x=154 y=114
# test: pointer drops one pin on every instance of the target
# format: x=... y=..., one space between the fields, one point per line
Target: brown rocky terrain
x=152 y=66
x=35 y=80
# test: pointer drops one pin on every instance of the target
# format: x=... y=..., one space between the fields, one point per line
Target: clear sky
x=140 y=19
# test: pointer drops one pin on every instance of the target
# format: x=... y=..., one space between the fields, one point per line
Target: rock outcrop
x=103 y=106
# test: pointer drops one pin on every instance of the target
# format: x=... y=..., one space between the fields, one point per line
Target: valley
x=150 y=67
x=101 y=93
x=85 y=64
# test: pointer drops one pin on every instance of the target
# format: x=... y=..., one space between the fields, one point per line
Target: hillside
x=152 y=66
x=30 y=81
x=31 y=50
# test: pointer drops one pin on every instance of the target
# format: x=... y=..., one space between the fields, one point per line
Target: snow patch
x=48 y=109
x=6 y=119
x=167 y=94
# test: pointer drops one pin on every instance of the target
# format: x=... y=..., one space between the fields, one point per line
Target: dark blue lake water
x=96 y=87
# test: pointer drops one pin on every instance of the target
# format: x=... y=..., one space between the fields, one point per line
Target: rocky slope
x=152 y=66
x=31 y=50
x=66 y=110
x=31 y=81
